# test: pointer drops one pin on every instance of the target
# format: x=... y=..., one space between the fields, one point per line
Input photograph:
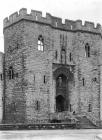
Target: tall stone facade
x=51 y=68
x=1 y=85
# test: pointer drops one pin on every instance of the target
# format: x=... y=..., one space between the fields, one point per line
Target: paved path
x=52 y=135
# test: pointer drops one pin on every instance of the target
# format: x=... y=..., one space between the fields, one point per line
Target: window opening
x=87 y=50
x=40 y=43
x=11 y=73
x=83 y=81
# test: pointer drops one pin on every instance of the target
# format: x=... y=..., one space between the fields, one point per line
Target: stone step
x=85 y=123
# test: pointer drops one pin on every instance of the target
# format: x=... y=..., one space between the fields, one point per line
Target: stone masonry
x=62 y=76
x=1 y=86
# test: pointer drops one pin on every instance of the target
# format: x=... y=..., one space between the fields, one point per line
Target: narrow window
x=87 y=50
x=37 y=105
x=70 y=57
x=11 y=73
x=44 y=79
x=83 y=81
x=90 y=108
x=40 y=43
x=56 y=54
x=1 y=77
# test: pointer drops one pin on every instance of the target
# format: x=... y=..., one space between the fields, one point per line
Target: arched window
x=40 y=43
x=87 y=50
x=11 y=73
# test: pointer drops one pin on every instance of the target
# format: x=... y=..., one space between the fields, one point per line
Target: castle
x=51 y=70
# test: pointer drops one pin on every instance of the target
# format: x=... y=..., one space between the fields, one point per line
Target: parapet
x=33 y=16
x=54 y=22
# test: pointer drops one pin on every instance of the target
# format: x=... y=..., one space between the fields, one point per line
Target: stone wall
x=14 y=88
x=30 y=95
x=85 y=67
x=38 y=65
x=88 y=68
x=1 y=86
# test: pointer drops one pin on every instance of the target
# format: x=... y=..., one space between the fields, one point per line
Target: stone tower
x=1 y=85
x=51 y=68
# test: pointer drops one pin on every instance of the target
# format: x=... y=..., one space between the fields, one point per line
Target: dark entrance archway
x=60 y=103
x=61 y=93
x=63 y=75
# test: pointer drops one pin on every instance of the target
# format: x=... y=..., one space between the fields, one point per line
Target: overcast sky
x=90 y=10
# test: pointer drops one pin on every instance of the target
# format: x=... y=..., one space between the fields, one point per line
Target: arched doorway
x=60 y=103
x=61 y=93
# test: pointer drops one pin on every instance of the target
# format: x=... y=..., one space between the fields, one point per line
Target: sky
x=86 y=10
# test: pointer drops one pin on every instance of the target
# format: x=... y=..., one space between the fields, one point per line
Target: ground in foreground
x=84 y=134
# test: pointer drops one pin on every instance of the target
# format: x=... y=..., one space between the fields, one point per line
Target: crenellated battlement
x=52 y=21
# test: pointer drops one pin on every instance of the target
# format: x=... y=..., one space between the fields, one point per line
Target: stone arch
x=62 y=76
x=61 y=93
x=63 y=70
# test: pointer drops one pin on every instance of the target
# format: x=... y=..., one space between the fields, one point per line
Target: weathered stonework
x=1 y=85
x=36 y=72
